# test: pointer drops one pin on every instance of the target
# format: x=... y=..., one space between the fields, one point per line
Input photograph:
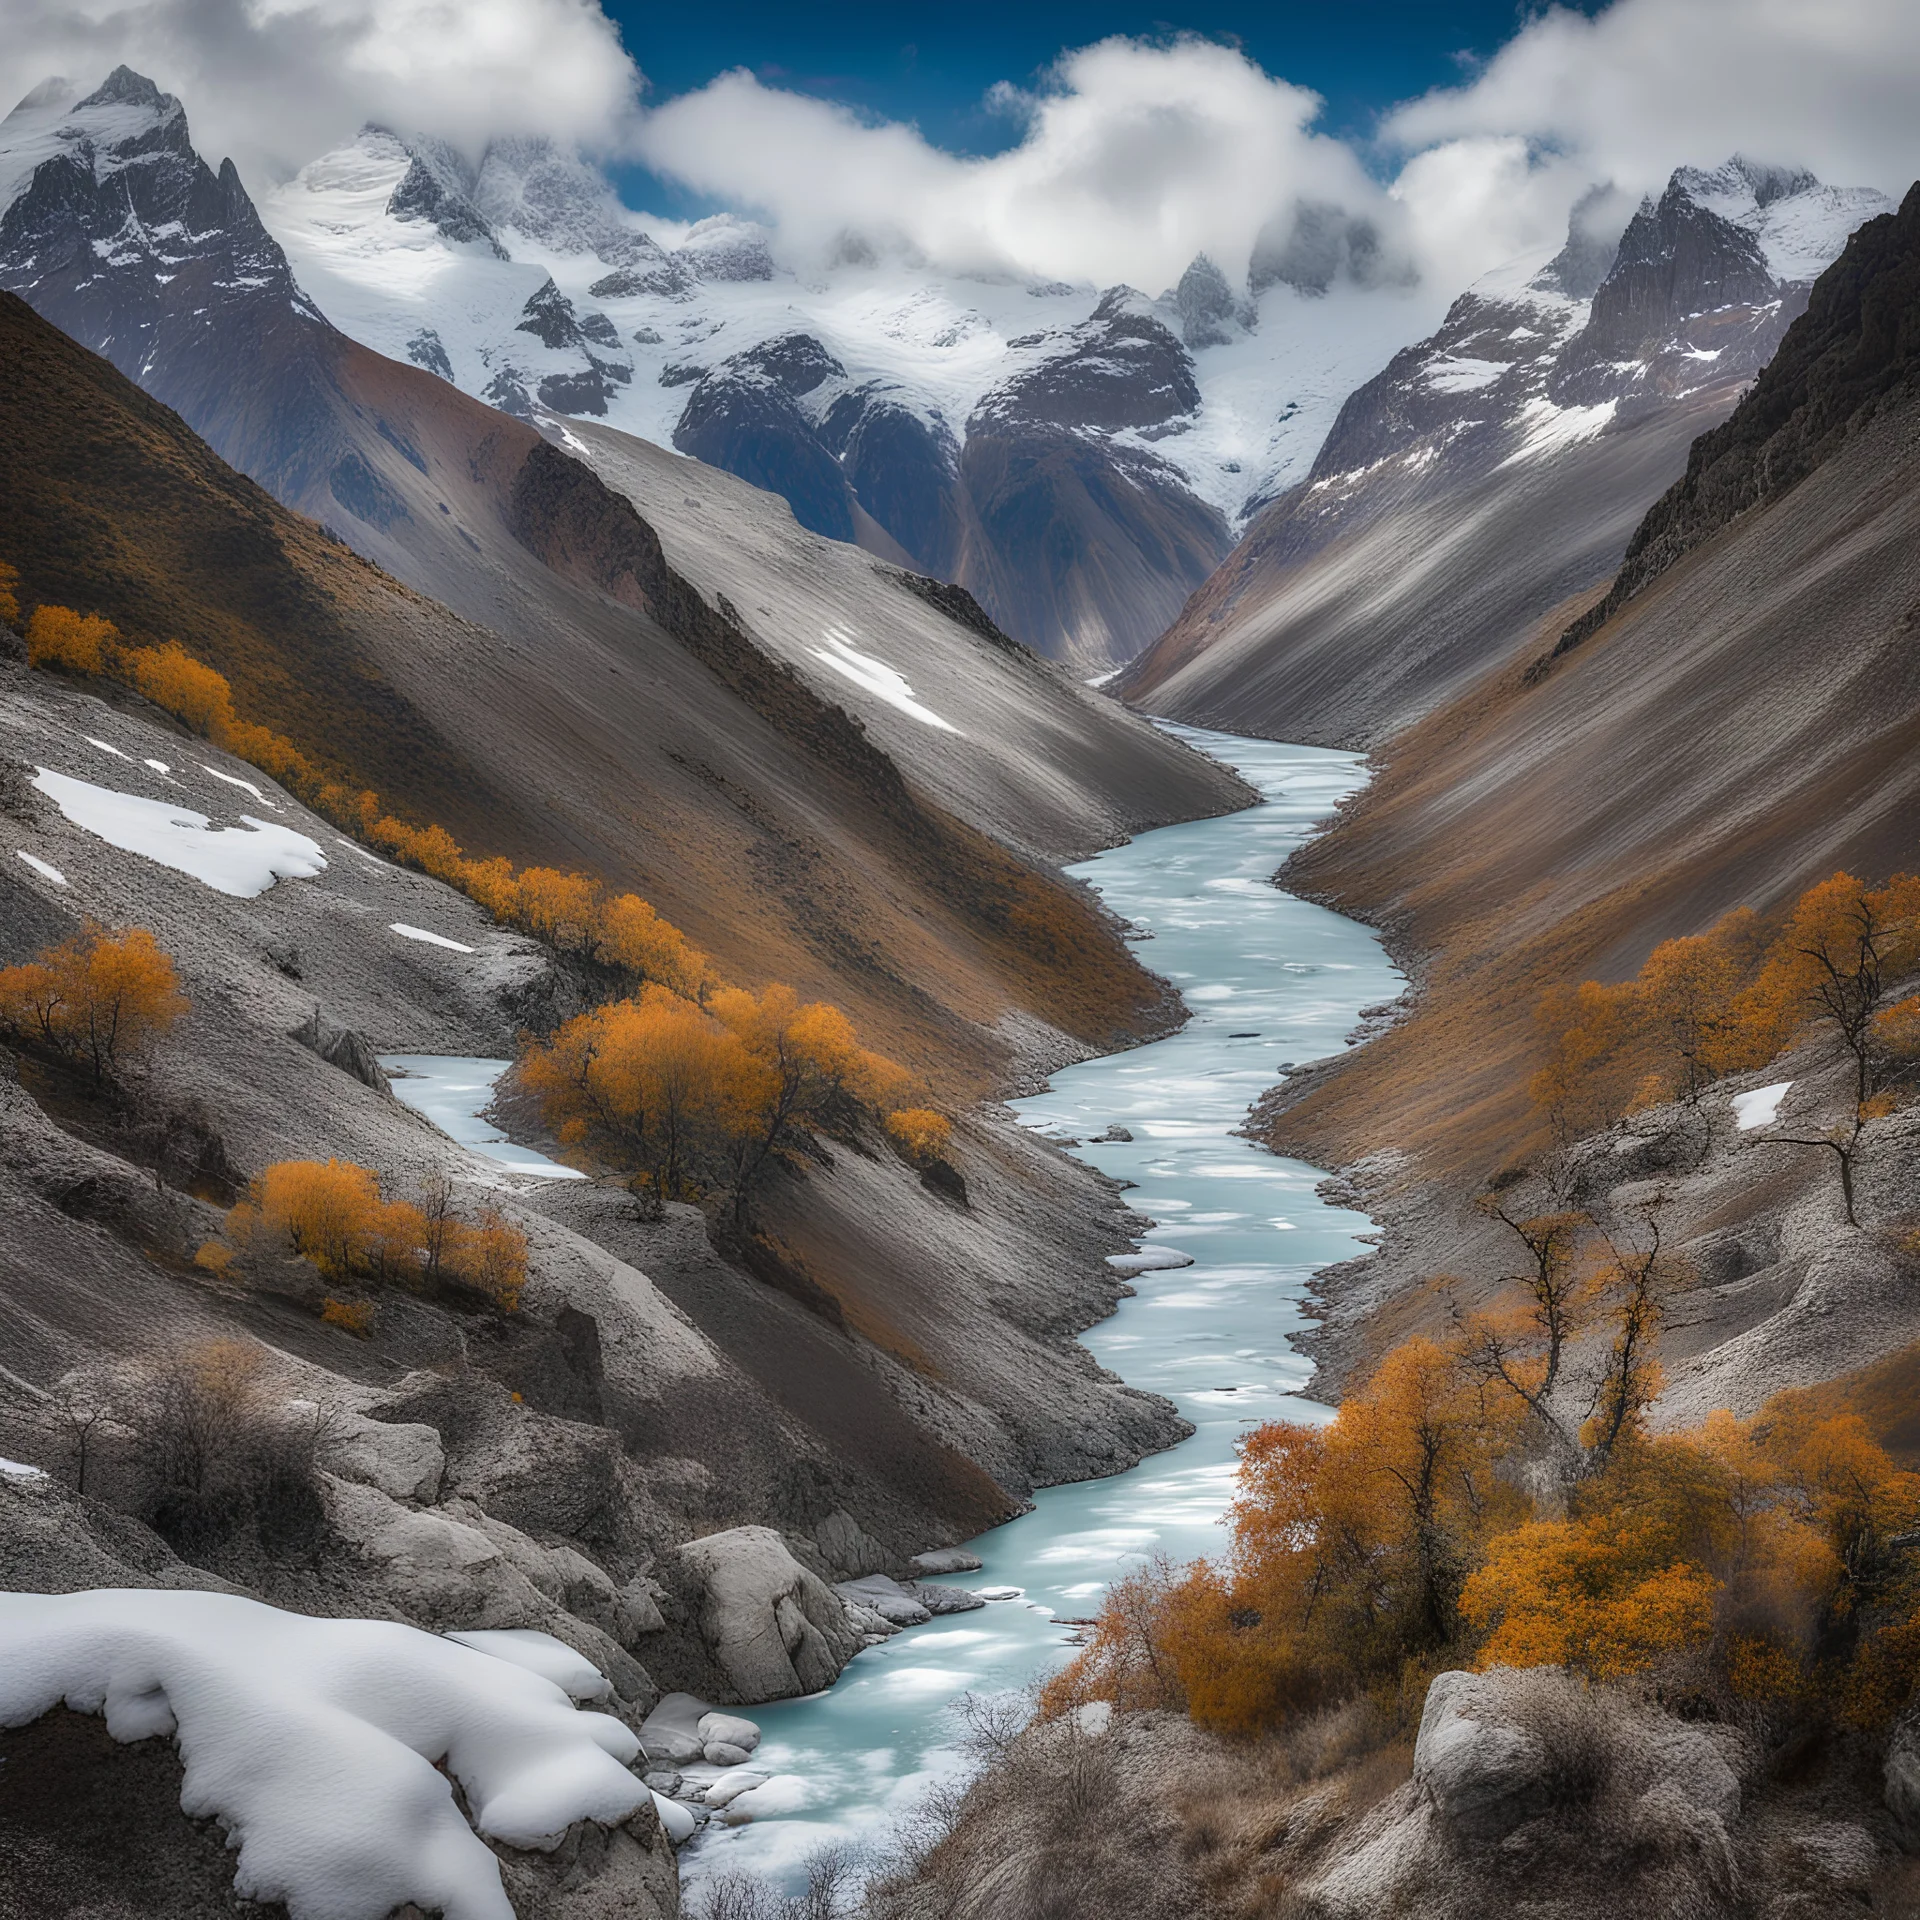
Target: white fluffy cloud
x=1133 y=159
x=1651 y=84
x=275 y=82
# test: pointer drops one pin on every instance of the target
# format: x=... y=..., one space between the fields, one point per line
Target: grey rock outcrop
x=773 y=1628
x=342 y=1047
x=1483 y=1775
x=1901 y=1779
x=403 y=1459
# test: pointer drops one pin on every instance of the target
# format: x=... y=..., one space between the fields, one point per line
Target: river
x=1268 y=980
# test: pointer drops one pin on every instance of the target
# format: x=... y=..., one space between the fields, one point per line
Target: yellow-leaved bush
x=332 y=1213
x=1369 y=1552
x=690 y=1100
x=99 y=998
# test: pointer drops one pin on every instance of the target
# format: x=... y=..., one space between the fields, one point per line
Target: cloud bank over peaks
x=1133 y=158
x=1647 y=85
x=276 y=82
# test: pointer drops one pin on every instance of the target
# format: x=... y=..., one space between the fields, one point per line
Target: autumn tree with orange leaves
x=1400 y=1537
x=100 y=997
x=694 y=1101
x=332 y=1213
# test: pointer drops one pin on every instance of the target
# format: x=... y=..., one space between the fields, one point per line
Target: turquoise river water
x=1268 y=980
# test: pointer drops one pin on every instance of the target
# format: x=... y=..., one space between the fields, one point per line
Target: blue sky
x=933 y=66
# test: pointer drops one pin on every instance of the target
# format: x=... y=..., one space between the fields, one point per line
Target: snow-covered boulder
x=315 y=1743
x=773 y=1628
x=573 y=1673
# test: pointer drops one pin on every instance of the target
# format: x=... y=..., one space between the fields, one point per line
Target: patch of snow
x=246 y=786
x=315 y=1742
x=573 y=1673
x=432 y=939
x=242 y=861
x=1149 y=1260
x=876 y=677
x=106 y=746
x=680 y=1825
x=40 y=867
x=159 y=766
x=1760 y=1107
x=19 y=1470
x=1460 y=374
x=1547 y=429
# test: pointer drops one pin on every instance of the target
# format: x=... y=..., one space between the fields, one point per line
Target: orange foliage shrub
x=77 y=642
x=9 y=594
x=561 y=908
x=350 y=1316
x=920 y=1134
x=633 y=937
x=331 y=1213
x=695 y=1100
x=101 y=996
x=491 y=1257
x=174 y=680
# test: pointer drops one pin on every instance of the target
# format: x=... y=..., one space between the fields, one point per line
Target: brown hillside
x=1745 y=726
x=595 y=713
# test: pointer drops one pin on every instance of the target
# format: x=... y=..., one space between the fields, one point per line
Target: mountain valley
x=893 y=785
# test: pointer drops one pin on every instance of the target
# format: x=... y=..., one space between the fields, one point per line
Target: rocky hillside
x=1490 y=477
x=576 y=711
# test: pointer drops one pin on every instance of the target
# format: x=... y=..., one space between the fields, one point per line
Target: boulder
x=404 y=1459
x=942 y=1599
x=847 y=1548
x=342 y=1047
x=671 y=1732
x=946 y=1560
x=1689 y=1760
x=1483 y=1776
x=887 y=1599
x=732 y=1784
x=599 y=1873
x=1900 y=1783
x=721 y=1753
x=773 y=1628
x=729 y=1728
x=637 y=1611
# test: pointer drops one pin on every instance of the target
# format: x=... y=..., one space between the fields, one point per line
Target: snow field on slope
x=243 y=861
x=315 y=1741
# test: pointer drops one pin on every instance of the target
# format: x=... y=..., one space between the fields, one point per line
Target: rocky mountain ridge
x=1512 y=451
